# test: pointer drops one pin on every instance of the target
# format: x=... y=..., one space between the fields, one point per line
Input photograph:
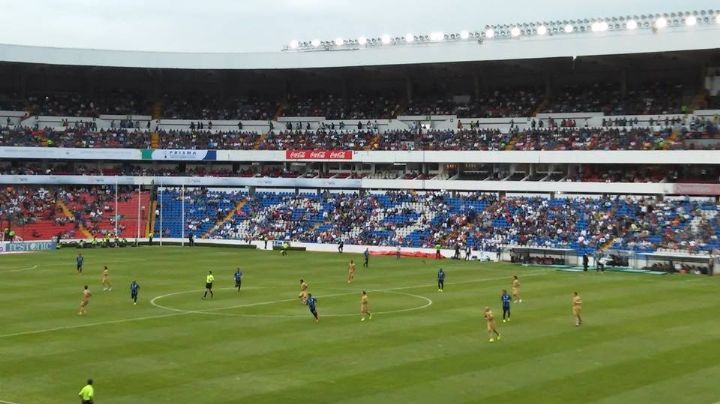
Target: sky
x=268 y=25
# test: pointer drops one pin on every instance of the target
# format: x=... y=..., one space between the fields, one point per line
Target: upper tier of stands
x=694 y=135
x=645 y=98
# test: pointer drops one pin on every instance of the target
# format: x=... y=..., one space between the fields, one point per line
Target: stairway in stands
x=259 y=141
x=374 y=143
x=82 y=230
x=220 y=223
x=156 y=114
x=44 y=227
x=155 y=140
x=156 y=110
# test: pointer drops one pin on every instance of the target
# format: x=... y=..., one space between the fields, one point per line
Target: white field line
x=72 y=327
x=7 y=402
x=425 y=285
x=176 y=313
x=389 y=290
x=21 y=270
x=212 y=311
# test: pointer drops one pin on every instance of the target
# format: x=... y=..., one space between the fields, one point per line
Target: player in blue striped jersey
x=134 y=288
x=505 y=298
x=312 y=305
x=238 y=279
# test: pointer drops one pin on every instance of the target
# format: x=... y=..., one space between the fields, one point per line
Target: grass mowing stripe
x=436 y=354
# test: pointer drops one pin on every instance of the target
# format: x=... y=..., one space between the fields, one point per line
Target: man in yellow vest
x=87 y=393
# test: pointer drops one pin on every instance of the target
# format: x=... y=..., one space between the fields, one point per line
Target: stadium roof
x=525 y=47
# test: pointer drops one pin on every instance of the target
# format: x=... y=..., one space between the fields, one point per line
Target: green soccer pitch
x=646 y=339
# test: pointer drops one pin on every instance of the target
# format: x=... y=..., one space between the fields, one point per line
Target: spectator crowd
x=694 y=136
x=486 y=222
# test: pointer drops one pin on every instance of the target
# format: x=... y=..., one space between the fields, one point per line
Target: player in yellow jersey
x=364 y=310
x=303 y=296
x=516 y=290
x=84 y=301
x=577 y=309
x=490 y=319
x=351 y=271
x=106 y=279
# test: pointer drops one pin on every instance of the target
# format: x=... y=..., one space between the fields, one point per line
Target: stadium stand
x=72 y=212
x=654 y=98
x=485 y=222
x=682 y=137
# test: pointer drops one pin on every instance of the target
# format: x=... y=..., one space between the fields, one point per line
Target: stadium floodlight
x=599 y=26
x=437 y=36
x=655 y=21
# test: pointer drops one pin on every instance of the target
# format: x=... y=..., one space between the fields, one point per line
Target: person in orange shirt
x=516 y=290
x=351 y=271
x=85 y=300
x=577 y=309
x=303 y=291
x=492 y=331
x=364 y=310
x=106 y=279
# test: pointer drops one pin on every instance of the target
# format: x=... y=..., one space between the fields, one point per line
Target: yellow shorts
x=84 y=303
x=576 y=311
x=491 y=325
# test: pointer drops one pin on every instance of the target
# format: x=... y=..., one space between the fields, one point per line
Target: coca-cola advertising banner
x=318 y=154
